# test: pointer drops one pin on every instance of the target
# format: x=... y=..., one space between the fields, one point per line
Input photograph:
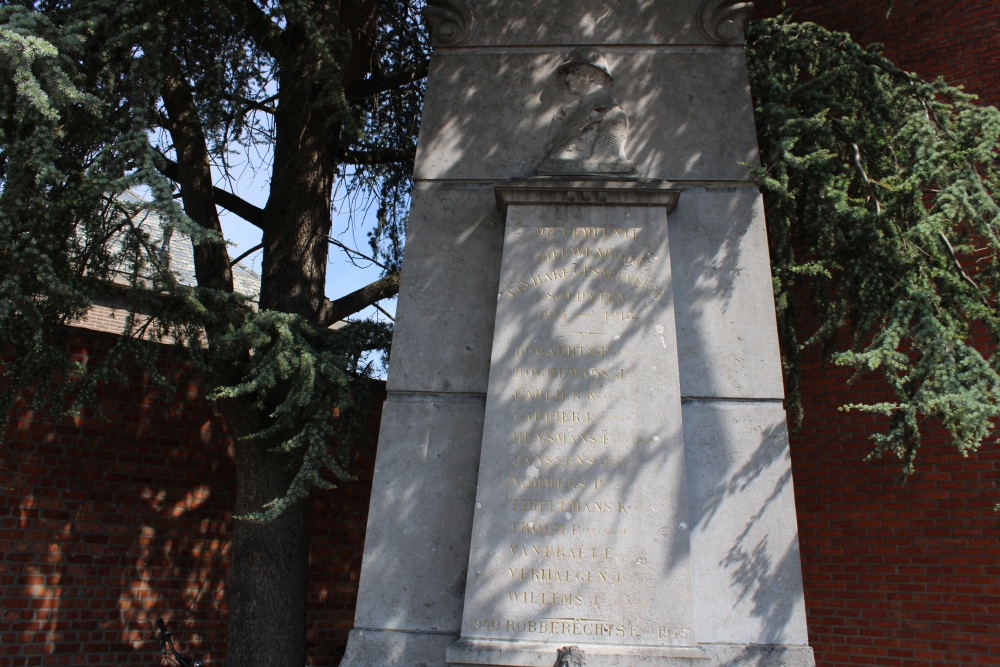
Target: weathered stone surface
x=748 y=582
x=526 y=654
x=726 y=329
x=370 y=647
x=489 y=115
x=581 y=523
x=443 y=331
x=645 y=22
x=417 y=543
x=727 y=336
x=751 y=655
x=690 y=415
x=708 y=655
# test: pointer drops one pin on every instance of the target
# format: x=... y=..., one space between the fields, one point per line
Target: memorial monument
x=583 y=458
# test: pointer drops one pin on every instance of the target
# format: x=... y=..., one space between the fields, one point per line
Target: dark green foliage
x=84 y=127
x=71 y=137
x=307 y=380
x=879 y=191
x=880 y=199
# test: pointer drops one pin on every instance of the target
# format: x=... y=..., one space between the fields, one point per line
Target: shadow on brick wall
x=108 y=523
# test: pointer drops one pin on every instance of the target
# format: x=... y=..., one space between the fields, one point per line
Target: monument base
x=525 y=654
x=467 y=652
x=371 y=648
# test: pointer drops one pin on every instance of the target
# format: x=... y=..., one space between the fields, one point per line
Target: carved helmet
x=586 y=55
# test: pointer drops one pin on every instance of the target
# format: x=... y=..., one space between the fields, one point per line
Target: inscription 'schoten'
x=599 y=297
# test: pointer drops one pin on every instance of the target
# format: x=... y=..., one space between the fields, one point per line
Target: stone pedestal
x=586 y=446
x=581 y=529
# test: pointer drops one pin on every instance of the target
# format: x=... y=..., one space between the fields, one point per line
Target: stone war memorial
x=583 y=455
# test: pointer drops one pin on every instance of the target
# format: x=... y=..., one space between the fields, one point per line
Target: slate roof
x=181 y=252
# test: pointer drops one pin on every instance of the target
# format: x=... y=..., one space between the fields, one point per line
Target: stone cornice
x=592 y=192
x=451 y=22
x=723 y=21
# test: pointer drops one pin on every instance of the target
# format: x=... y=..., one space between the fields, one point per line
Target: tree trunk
x=268 y=585
x=268 y=582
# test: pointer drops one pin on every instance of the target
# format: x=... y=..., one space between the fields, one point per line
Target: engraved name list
x=573 y=507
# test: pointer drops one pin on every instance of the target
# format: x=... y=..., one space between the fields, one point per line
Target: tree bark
x=267 y=587
x=268 y=582
x=268 y=577
x=211 y=258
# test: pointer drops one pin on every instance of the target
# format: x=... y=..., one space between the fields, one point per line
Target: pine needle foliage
x=309 y=382
x=86 y=122
x=72 y=144
x=880 y=192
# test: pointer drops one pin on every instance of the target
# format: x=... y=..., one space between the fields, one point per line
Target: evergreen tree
x=880 y=194
x=100 y=97
x=879 y=191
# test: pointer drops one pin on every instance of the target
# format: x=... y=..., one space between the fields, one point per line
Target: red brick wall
x=104 y=527
x=106 y=524
x=954 y=39
x=894 y=574
x=898 y=575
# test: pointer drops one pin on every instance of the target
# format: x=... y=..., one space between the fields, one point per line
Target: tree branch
x=255 y=105
x=239 y=206
x=351 y=251
x=227 y=200
x=194 y=172
x=345 y=306
x=384 y=312
x=381 y=83
x=264 y=31
x=245 y=255
x=841 y=132
x=958 y=264
x=379 y=156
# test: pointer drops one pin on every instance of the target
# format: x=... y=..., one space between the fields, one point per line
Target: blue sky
x=350 y=227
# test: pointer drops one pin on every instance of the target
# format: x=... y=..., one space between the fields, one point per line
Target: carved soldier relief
x=588 y=135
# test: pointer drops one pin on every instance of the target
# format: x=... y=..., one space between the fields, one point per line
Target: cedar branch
x=382 y=83
x=379 y=156
x=265 y=32
x=227 y=200
x=345 y=306
x=958 y=264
